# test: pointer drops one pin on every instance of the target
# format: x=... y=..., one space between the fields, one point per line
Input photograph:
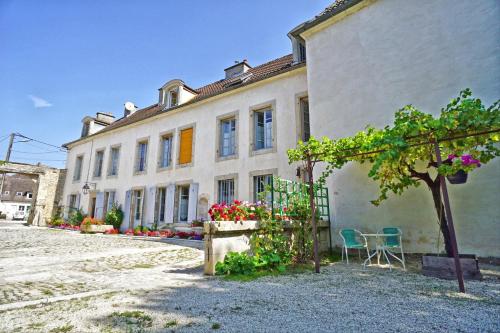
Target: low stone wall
x=222 y=237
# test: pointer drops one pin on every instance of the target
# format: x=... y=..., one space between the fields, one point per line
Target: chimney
x=105 y=117
x=237 y=69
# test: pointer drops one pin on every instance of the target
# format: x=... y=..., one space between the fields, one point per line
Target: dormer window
x=170 y=97
x=85 y=129
x=174 y=93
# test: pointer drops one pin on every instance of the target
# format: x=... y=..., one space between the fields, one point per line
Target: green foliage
x=270 y=246
x=300 y=211
x=398 y=160
x=56 y=221
x=236 y=263
x=76 y=217
x=114 y=216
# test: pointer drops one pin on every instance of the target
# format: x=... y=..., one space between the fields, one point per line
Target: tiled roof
x=335 y=8
x=258 y=73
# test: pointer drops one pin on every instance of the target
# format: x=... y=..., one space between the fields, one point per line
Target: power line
x=35 y=140
x=38 y=159
x=43 y=152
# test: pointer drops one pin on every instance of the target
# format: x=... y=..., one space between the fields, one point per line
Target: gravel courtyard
x=59 y=281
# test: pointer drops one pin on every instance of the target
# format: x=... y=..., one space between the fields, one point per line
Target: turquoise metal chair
x=393 y=242
x=353 y=239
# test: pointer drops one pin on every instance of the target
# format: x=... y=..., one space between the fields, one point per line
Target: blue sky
x=62 y=60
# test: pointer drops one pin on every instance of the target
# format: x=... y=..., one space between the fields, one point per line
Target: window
x=162 y=193
x=302 y=52
x=173 y=97
x=114 y=158
x=304 y=117
x=225 y=191
x=186 y=146
x=165 y=151
x=29 y=195
x=78 y=168
x=109 y=200
x=72 y=201
x=227 y=137
x=138 y=205
x=183 y=203
x=85 y=129
x=141 y=156
x=260 y=184
x=6 y=192
x=21 y=208
x=19 y=194
x=99 y=158
x=263 y=129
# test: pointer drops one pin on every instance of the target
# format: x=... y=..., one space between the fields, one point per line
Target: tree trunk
x=443 y=223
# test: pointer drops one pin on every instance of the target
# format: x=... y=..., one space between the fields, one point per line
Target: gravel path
x=157 y=287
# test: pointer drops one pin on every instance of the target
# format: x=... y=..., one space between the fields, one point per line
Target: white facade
x=363 y=64
x=371 y=60
x=279 y=93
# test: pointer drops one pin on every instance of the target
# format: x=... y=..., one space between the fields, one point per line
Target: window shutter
x=193 y=202
x=169 y=204
x=99 y=206
x=77 y=202
x=186 y=146
x=66 y=208
x=150 y=208
x=126 y=211
x=156 y=217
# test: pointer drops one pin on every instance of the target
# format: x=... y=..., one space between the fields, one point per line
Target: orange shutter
x=186 y=146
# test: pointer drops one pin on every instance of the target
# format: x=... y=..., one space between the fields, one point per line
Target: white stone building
x=365 y=59
x=168 y=162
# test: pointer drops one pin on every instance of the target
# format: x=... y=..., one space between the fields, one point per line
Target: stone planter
x=95 y=229
x=444 y=267
x=222 y=237
x=460 y=177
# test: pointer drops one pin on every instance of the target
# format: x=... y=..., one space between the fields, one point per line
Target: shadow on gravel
x=341 y=298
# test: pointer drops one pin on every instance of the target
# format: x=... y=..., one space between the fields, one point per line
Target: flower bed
x=65 y=226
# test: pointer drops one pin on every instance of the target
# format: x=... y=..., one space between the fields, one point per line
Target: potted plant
x=92 y=225
x=114 y=216
x=456 y=167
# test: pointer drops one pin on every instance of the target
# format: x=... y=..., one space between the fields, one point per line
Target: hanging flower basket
x=460 y=177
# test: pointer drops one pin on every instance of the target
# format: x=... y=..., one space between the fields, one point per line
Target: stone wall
x=47 y=195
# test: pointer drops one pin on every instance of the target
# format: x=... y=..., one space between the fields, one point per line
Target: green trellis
x=284 y=191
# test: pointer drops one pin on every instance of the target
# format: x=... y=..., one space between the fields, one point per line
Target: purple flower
x=451 y=156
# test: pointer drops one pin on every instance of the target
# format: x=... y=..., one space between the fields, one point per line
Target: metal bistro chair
x=390 y=243
x=351 y=238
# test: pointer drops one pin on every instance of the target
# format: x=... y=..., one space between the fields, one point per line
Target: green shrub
x=56 y=221
x=114 y=216
x=235 y=263
x=270 y=246
x=76 y=217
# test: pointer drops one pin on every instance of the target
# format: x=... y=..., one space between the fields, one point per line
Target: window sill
x=162 y=169
x=139 y=173
x=112 y=176
x=225 y=158
x=263 y=151
x=185 y=165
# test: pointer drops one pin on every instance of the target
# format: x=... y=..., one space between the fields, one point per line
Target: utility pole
x=9 y=150
x=7 y=159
